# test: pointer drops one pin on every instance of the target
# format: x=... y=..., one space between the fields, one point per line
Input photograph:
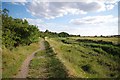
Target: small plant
x=87 y=68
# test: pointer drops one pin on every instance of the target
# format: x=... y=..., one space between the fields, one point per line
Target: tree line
x=48 y=33
x=16 y=32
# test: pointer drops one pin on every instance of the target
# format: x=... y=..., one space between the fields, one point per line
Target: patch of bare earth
x=25 y=66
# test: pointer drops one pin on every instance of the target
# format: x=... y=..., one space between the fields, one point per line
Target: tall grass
x=110 y=49
x=12 y=60
x=107 y=39
x=86 y=61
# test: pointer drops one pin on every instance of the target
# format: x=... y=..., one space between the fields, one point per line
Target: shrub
x=87 y=68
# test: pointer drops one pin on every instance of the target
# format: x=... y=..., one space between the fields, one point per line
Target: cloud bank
x=51 y=10
x=94 y=20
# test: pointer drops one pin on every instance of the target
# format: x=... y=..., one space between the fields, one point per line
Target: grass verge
x=46 y=65
x=12 y=60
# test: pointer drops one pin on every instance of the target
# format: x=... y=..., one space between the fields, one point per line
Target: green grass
x=12 y=60
x=65 y=57
x=0 y=63
x=108 y=39
x=85 y=61
x=46 y=65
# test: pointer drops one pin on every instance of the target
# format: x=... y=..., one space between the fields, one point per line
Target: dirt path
x=25 y=66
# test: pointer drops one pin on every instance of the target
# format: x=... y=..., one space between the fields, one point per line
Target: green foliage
x=17 y=32
x=47 y=33
x=63 y=34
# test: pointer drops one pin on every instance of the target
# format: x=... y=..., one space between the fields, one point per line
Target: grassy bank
x=107 y=39
x=46 y=65
x=87 y=59
x=12 y=60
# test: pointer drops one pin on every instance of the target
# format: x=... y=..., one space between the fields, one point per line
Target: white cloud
x=93 y=30
x=94 y=20
x=109 y=7
x=51 y=10
x=19 y=3
x=84 y=30
x=111 y=1
x=93 y=25
x=19 y=0
x=110 y=4
x=109 y=27
x=16 y=1
x=34 y=21
x=38 y=22
x=96 y=25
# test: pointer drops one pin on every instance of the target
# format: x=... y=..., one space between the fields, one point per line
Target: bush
x=99 y=50
x=87 y=68
x=93 y=41
x=17 y=32
x=63 y=34
x=65 y=41
x=113 y=50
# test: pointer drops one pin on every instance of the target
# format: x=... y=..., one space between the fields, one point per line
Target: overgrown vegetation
x=88 y=59
x=46 y=65
x=19 y=39
x=16 y=32
x=12 y=60
x=113 y=50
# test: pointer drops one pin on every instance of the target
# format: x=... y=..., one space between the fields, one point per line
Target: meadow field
x=60 y=56
x=114 y=40
x=88 y=57
x=70 y=57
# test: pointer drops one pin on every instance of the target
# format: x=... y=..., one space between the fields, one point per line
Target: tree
x=101 y=35
x=5 y=11
x=63 y=34
x=17 y=32
x=46 y=31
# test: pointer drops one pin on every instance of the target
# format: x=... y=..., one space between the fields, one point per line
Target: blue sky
x=87 y=17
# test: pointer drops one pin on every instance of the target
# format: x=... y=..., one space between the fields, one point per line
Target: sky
x=78 y=17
